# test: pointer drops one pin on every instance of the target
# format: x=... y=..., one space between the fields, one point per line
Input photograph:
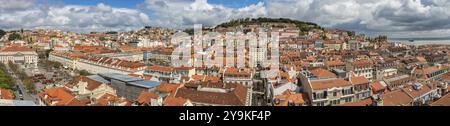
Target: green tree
x=54 y=64
x=29 y=85
x=84 y=73
x=2 y=33
x=6 y=80
x=102 y=39
x=189 y=31
x=5 y=86
x=14 y=36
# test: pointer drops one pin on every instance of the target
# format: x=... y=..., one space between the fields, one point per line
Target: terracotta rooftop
x=91 y=84
x=237 y=96
x=16 y=49
x=236 y=71
x=446 y=77
x=362 y=63
x=426 y=70
x=105 y=99
x=322 y=73
x=377 y=86
x=160 y=68
x=59 y=97
x=109 y=99
x=146 y=96
x=396 y=98
x=334 y=63
x=356 y=80
x=183 y=68
x=417 y=93
x=288 y=96
x=167 y=87
x=443 y=101
x=6 y=94
x=365 y=102
x=172 y=101
x=325 y=84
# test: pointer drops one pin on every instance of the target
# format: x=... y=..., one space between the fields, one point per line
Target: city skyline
x=137 y=53
x=394 y=18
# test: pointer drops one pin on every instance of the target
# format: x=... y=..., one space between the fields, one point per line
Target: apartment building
x=97 y=65
x=240 y=76
x=329 y=92
x=398 y=81
x=217 y=94
x=6 y=94
x=60 y=97
x=289 y=98
x=324 y=88
x=429 y=73
x=161 y=73
x=413 y=95
x=361 y=68
x=86 y=87
x=19 y=55
x=361 y=87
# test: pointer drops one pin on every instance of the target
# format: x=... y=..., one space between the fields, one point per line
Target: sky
x=395 y=18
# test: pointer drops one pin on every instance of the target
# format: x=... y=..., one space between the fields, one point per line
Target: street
x=21 y=93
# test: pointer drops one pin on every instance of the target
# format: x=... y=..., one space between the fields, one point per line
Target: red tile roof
x=396 y=98
x=146 y=96
x=362 y=63
x=446 y=77
x=205 y=78
x=167 y=87
x=6 y=94
x=335 y=63
x=16 y=49
x=172 y=101
x=443 y=101
x=426 y=70
x=417 y=93
x=59 y=97
x=91 y=84
x=236 y=71
x=287 y=96
x=160 y=68
x=325 y=84
x=105 y=99
x=365 y=102
x=377 y=86
x=322 y=73
x=357 y=80
x=92 y=49
x=237 y=96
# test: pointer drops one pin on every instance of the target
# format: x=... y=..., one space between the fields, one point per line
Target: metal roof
x=121 y=77
x=145 y=83
x=98 y=78
x=130 y=80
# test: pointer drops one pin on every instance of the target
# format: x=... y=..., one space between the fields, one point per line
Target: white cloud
x=10 y=5
x=368 y=16
x=75 y=18
x=390 y=16
x=178 y=13
x=395 y=17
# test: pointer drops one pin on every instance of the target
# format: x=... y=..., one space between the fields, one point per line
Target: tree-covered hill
x=303 y=26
